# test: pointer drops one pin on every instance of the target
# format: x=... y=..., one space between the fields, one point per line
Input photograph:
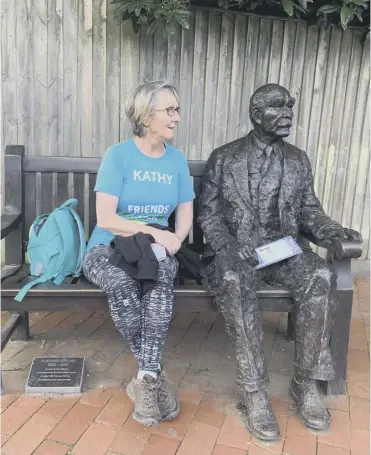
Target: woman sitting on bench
x=140 y=182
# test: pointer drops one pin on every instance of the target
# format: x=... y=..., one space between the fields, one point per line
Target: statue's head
x=271 y=111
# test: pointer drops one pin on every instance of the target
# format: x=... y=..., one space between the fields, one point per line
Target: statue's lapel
x=240 y=172
x=291 y=174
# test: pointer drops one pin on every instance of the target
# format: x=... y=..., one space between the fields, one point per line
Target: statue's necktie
x=268 y=155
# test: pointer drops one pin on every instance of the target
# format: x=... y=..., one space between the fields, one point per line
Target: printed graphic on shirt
x=155 y=177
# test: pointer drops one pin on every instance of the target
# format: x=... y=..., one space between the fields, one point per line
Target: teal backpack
x=56 y=246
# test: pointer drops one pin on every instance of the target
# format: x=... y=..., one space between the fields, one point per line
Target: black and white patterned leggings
x=143 y=323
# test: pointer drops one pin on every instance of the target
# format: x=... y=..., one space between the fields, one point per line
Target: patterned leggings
x=143 y=323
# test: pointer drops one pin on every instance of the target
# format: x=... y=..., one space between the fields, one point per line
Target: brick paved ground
x=200 y=360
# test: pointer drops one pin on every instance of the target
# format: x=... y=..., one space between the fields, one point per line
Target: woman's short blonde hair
x=141 y=103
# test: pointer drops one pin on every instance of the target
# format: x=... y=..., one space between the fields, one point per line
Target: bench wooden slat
x=84 y=165
x=13 y=284
x=29 y=203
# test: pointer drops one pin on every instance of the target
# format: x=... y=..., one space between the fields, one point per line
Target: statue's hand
x=247 y=253
x=353 y=235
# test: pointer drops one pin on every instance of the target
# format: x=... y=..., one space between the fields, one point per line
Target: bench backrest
x=49 y=181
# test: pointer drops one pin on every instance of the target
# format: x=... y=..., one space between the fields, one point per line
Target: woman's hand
x=167 y=239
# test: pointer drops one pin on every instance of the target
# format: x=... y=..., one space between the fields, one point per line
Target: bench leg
x=22 y=332
x=339 y=343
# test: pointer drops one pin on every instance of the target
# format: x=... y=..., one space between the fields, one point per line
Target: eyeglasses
x=170 y=110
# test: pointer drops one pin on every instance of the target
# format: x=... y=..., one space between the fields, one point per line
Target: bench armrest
x=346 y=249
x=341 y=249
x=10 y=219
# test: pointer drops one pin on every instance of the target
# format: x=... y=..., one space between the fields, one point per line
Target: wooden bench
x=37 y=184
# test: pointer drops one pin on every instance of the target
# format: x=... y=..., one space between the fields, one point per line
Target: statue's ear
x=256 y=115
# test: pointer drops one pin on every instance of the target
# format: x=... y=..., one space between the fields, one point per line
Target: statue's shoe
x=310 y=406
x=259 y=417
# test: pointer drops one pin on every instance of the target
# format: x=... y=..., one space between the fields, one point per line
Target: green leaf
x=303 y=4
x=136 y=26
x=138 y=9
x=359 y=14
x=115 y=1
x=299 y=8
x=288 y=7
x=170 y=28
x=152 y=28
x=346 y=15
x=328 y=9
x=183 y=21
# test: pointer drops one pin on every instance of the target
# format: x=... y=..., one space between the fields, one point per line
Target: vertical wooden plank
x=60 y=80
x=99 y=82
x=46 y=193
x=62 y=188
x=287 y=57
x=129 y=73
x=24 y=75
x=9 y=72
x=113 y=79
x=185 y=85
x=198 y=85
x=324 y=154
x=79 y=193
x=40 y=76
x=173 y=58
x=361 y=206
x=317 y=96
x=276 y=52
x=145 y=56
x=297 y=72
x=173 y=67
x=262 y=63
x=336 y=124
x=85 y=78
x=303 y=108
x=211 y=81
x=70 y=32
x=344 y=160
x=251 y=55
x=365 y=147
x=52 y=74
x=92 y=200
x=238 y=63
x=287 y=53
x=357 y=154
x=365 y=226
x=159 y=56
x=30 y=201
x=224 y=80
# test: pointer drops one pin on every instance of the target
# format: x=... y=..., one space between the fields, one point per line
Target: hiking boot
x=311 y=408
x=259 y=417
x=144 y=394
x=167 y=400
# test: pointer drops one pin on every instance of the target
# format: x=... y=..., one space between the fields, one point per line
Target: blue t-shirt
x=148 y=189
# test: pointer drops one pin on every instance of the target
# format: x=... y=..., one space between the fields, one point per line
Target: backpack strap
x=19 y=297
x=70 y=203
x=82 y=241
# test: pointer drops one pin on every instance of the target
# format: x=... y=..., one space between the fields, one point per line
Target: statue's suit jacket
x=226 y=214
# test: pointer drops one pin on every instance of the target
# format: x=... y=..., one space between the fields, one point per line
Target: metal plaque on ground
x=56 y=375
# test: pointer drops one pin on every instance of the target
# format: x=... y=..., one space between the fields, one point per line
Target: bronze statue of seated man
x=256 y=190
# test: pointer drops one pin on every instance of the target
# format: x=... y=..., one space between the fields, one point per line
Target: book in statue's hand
x=277 y=251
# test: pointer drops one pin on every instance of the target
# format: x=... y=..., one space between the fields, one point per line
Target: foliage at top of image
x=167 y=15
